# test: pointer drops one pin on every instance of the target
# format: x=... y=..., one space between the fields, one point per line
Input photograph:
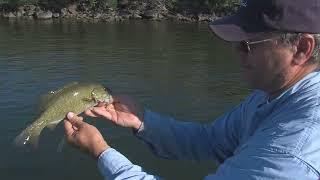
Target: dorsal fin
x=45 y=99
x=71 y=84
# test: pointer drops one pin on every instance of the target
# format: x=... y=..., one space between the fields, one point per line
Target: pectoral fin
x=53 y=125
x=87 y=99
x=61 y=144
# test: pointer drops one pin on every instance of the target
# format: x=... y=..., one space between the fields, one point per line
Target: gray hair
x=291 y=38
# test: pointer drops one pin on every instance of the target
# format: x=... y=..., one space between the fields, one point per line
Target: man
x=272 y=134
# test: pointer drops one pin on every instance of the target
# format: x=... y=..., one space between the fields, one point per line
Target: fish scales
x=74 y=97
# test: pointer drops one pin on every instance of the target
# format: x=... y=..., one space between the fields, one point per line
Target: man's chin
x=252 y=84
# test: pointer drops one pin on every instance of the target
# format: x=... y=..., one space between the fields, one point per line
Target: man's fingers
x=100 y=104
x=68 y=128
x=101 y=111
x=75 y=120
x=89 y=112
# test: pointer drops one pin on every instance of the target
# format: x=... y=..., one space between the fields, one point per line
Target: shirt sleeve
x=172 y=139
x=284 y=147
x=113 y=165
x=264 y=164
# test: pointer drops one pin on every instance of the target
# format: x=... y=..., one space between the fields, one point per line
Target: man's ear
x=304 y=49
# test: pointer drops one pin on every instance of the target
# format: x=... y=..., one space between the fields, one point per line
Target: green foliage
x=54 y=4
x=99 y=4
x=102 y=4
x=17 y=2
x=113 y=3
x=179 y=5
x=222 y=3
x=208 y=5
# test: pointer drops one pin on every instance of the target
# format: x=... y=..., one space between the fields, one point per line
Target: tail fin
x=29 y=136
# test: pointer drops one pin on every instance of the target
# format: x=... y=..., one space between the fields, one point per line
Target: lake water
x=179 y=69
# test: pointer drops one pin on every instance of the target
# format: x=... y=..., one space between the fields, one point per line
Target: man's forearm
x=172 y=139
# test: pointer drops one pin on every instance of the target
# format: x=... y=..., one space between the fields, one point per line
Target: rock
x=97 y=16
x=72 y=9
x=161 y=8
x=123 y=3
x=150 y=14
x=85 y=15
x=136 y=16
x=30 y=7
x=112 y=13
x=30 y=13
x=83 y=7
x=55 y=15
x=203 y=17
x=182 y=18
x=30 y=10
x=124 y=15
x=19 y=13
x=64 y=12
x=9 y=15
x=117 y=18
x=44 y=15
x=20 y=8
x=171 y=16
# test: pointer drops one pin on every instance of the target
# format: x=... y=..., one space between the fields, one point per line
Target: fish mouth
x=108 y=99
x=108 y=90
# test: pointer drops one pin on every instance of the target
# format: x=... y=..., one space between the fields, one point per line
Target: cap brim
x=235 y=28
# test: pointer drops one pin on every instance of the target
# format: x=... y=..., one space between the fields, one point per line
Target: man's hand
x=83 y=135
x=123 y=111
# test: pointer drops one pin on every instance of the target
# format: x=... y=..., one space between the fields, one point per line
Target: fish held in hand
x=74 y=97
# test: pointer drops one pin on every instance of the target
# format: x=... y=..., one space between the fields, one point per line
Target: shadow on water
x=178 y=69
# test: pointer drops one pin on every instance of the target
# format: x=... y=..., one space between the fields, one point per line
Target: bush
x=58 y=4
x=99 y=3
x=206 y=5
x=18 y=2
x=188 y=6
x=13 y=4
x=54 y=4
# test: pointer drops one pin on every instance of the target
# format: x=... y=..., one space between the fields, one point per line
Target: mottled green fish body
x=74 y=97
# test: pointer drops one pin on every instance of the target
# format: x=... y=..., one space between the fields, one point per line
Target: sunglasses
x=244 y=46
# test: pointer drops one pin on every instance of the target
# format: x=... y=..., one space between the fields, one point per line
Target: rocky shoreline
x=135 y=10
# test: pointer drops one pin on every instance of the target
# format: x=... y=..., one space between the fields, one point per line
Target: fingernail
x=70 y=115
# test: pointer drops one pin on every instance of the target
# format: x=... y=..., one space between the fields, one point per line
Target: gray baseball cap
x=258 y=17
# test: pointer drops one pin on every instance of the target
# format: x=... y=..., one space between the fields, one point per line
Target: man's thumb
x=74 y=119
x=70 y=115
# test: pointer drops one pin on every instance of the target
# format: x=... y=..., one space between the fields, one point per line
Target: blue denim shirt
x=259 y=139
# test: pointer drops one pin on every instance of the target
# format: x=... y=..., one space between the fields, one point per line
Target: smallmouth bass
x=74 y=97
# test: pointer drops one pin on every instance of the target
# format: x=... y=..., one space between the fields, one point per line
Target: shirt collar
x=306 y=82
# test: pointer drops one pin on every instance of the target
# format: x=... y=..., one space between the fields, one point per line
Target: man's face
x=267 y=66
